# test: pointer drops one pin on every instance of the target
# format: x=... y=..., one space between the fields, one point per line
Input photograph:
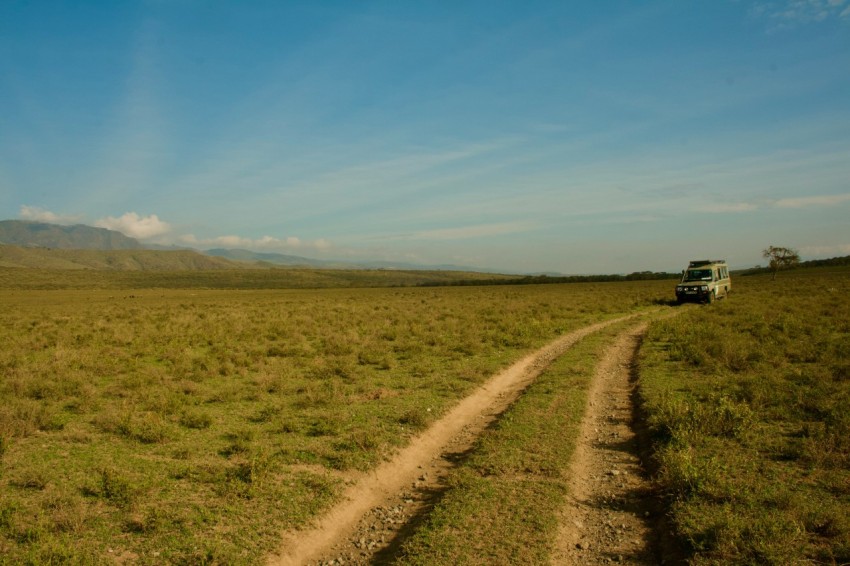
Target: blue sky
x=523 y=136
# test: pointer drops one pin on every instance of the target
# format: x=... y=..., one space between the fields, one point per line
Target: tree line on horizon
x=643 y=275
x=551 y=279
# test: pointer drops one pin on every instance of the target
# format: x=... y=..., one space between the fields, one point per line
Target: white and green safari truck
x=704 y=281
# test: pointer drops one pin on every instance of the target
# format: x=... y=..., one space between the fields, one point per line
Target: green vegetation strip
x=749 y=409
x=161 y=276
x=193 y=426
x=503 y=502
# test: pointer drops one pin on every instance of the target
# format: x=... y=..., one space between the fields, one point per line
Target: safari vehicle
x=704 y=281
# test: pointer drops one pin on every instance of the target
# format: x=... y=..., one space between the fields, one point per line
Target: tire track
x=610 y=513
x=380 y=508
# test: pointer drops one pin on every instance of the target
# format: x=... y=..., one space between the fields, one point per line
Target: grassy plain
x=187 y=425
x=748 y=404
x=22 y=278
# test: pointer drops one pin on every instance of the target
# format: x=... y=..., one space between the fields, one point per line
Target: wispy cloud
x=792 y=13
x=393 y=174
x=825 y=251
x=135 y=226
x=266 y=243
x=725 y=208
x=804 y=202
x=37 y=214
x=344 y=180
x=793 y=202
x=466 y=232
x=132 y=152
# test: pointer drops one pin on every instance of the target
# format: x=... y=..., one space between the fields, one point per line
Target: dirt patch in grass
x=381 y=507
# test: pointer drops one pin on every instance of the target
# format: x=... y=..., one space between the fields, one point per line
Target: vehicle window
x=698 y=275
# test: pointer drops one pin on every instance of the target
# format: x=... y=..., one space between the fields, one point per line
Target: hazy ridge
x=41 y=234
x=111 y=260
x=51 y=246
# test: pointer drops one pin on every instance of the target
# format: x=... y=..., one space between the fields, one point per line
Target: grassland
x=27 y=279
x=187 y=425
x=748 y=405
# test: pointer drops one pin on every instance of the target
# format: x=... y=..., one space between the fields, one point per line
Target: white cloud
x=135 y=226
x=37 y=214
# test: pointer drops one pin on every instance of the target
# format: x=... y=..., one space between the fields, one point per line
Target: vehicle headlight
x=704 y=288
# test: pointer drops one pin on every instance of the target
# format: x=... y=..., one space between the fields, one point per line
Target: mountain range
x=79 y=237
x=39 y=244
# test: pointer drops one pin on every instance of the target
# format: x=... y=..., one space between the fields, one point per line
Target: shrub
x=115 y=488
x=195 y=419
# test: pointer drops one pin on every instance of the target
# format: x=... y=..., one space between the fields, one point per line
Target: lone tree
x=780 y=258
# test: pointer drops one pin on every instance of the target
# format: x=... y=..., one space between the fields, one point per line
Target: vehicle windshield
x=698 y=275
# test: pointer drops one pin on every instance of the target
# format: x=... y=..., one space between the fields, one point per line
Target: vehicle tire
x=712 y=297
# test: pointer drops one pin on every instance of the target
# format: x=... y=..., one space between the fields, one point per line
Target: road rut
x=381 y=507
x=610 y=512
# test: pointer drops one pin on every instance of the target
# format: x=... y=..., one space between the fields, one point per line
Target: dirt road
x=609 y=515
x=381 y=507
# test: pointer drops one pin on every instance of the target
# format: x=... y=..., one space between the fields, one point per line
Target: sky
x=521 y=136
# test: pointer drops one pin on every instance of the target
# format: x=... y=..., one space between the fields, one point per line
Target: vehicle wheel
x=712 y=297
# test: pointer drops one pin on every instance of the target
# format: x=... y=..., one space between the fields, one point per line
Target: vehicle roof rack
x=702 y=262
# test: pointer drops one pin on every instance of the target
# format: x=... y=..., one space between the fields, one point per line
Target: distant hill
x=48 y=237
x=298 y=261
x=275 y=258
x=112 y=260
x=81 y=237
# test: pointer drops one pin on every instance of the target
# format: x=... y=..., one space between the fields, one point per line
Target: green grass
x=747 y=403
x=502 y=504
x=179 y=418
x=192 y=425
x=202 y=277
